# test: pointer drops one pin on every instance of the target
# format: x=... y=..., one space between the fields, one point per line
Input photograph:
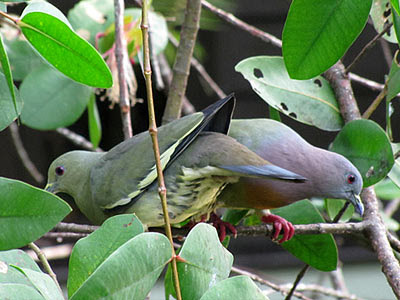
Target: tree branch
x=181 y=67
x=202 y=71
x=375 y=229
x=230 y=18
x=77 y=139
x=45 y=263
x=23 y=154
x=121 y=56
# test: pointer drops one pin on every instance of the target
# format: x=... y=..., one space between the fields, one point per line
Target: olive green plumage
x=329 y=175
x=197 y=165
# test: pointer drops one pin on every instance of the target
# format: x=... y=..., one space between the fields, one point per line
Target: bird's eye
x=60 y=170
x=351 y=178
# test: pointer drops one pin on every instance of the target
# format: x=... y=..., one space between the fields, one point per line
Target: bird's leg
x=280 y=225
x=221 y=226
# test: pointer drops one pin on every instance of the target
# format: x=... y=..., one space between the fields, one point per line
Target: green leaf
x=129 y=272
x=94 y=122
x=396 y=23
x=311 y=102
x=318 y=33
x=319 y=251
x=381 y=16
x=23 y=58
x=394 y=174
x=395 y=5
x=5 y=64
x=43 y=283
x=274 y=114
x=7 y=110
x=208 y=262
x=234 y=216
x=367 y=146
x=333 y=207
x=90 y=252
x=15 y=291
x=387 y=190
x=90 y=17
x=19 y=258
x=393 y=80
x=51 y=99
x=26 y=213
x=52 y=36
x=238 y=287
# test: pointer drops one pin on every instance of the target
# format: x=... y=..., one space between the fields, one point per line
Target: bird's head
x=344 y=182
x=70 y=172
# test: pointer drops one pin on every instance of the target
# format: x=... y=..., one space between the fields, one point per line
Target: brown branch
x=121 y=56
x=77 y=139
x=392 y=207
x=23 y=154
x=230 y=18
x=276 y=287
x=72 y=227
x=375 y=229
x=162 y=190
x=202 y=71
x=344 y=93
x=374 y=105
x=375 y=86
x=181 y=69
x=45 y=263
x=368 y=46
x=327 y=291
x=166 y=73
x=338 y=280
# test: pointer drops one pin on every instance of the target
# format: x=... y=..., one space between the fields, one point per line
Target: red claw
x=280 y=225
x=221 y=226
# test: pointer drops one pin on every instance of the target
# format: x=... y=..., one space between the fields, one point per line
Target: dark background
x=223 y=48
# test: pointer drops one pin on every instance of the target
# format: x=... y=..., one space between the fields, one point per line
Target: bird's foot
x=221 y=226
x=280 y=225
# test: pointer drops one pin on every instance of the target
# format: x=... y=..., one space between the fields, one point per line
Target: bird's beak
x=51 y=187
x=357 y=203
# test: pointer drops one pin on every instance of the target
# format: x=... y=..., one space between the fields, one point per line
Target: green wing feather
x=129 y=168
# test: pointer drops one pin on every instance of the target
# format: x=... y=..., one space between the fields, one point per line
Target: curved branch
x=375 y=229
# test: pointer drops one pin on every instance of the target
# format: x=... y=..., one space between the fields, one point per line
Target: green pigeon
x=198 y=160
x=329 y=175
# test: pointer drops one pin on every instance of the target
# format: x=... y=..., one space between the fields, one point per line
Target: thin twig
x=121 y=56
x=181 y=69
x=392 y=207
x=276 y=287
x=45 y=263
x=375 y=86
x=202 y=71
x=297 y=281
x=374 y=105
x=394 y=242
x=368 y=46
x=77 y=139
x=326 y=291
x=72 y=227
x=338 y=281
x=153 y=133
x=230 y=18
x=23 y=154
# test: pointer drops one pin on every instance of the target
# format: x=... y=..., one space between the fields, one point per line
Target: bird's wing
x=128 y=169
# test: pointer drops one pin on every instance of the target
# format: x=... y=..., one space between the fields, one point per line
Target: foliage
x=58 y=64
